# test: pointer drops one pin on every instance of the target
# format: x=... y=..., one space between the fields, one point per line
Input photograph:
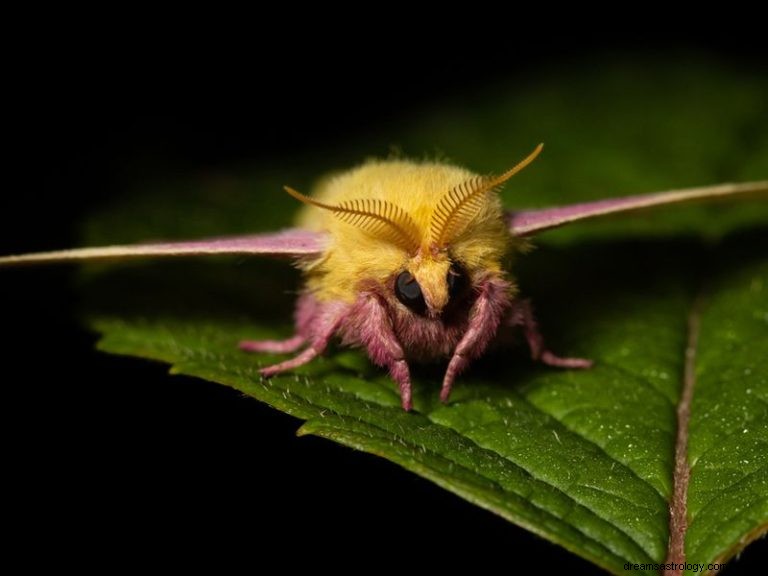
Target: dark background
x=119 y=461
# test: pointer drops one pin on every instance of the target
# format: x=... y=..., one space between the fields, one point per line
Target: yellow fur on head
x=356 y=255
x=431 y=273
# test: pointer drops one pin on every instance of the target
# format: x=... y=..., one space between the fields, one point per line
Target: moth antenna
x=377 y=217
x=461 y=204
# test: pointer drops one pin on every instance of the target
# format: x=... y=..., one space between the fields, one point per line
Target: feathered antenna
x=461 y=204
x=377 y=217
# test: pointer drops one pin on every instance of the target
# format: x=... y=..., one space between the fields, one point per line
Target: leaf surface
x=583 y=458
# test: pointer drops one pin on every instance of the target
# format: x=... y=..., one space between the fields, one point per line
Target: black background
x=116 y=463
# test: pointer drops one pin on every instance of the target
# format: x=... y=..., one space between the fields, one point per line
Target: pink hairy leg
x=371 y=326
x=307 y=308
x=313 y=351
x=275 y=346
x=522 y=315
x=484 y=319
x=320 y=322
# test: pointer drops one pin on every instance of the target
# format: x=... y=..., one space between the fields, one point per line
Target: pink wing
x=527 y=222
x=290 y=242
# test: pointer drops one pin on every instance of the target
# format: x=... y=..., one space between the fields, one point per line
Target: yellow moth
x=408 y=260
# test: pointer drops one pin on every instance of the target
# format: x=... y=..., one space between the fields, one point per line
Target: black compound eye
x=409 y=293
x=457 y=280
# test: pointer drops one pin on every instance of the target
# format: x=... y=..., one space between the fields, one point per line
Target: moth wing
x=292 y=242
x=528 y=222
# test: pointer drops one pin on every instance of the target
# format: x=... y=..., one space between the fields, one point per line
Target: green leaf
x=583 y=458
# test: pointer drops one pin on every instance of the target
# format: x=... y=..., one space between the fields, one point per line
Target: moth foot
x=275 y=346
x=402 y=376
x=457 y=364
x=270 y=371
x=306 y=356
x=551 y=359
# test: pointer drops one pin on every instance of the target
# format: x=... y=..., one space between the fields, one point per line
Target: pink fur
x=275 y=346
x=315 y=323
x=370 y=325
x=492 y=304
x=393 y=335
x=307 y=308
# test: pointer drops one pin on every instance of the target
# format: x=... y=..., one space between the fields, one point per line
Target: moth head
x=428 y=234
x=429 y=281
x=429 y=285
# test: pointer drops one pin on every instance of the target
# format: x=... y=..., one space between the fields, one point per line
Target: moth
x=407 y=260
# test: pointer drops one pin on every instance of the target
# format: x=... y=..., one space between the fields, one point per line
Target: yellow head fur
x=386 y=217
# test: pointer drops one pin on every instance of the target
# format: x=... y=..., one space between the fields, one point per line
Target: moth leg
x=307 y=310
x=309 y=354
x=275 y=346
x=484 y=320
x=326 y=322
x=522 y=315
x=373 y=329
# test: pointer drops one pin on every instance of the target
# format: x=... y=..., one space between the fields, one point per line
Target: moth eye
x=409 y=293
x=457 y=280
